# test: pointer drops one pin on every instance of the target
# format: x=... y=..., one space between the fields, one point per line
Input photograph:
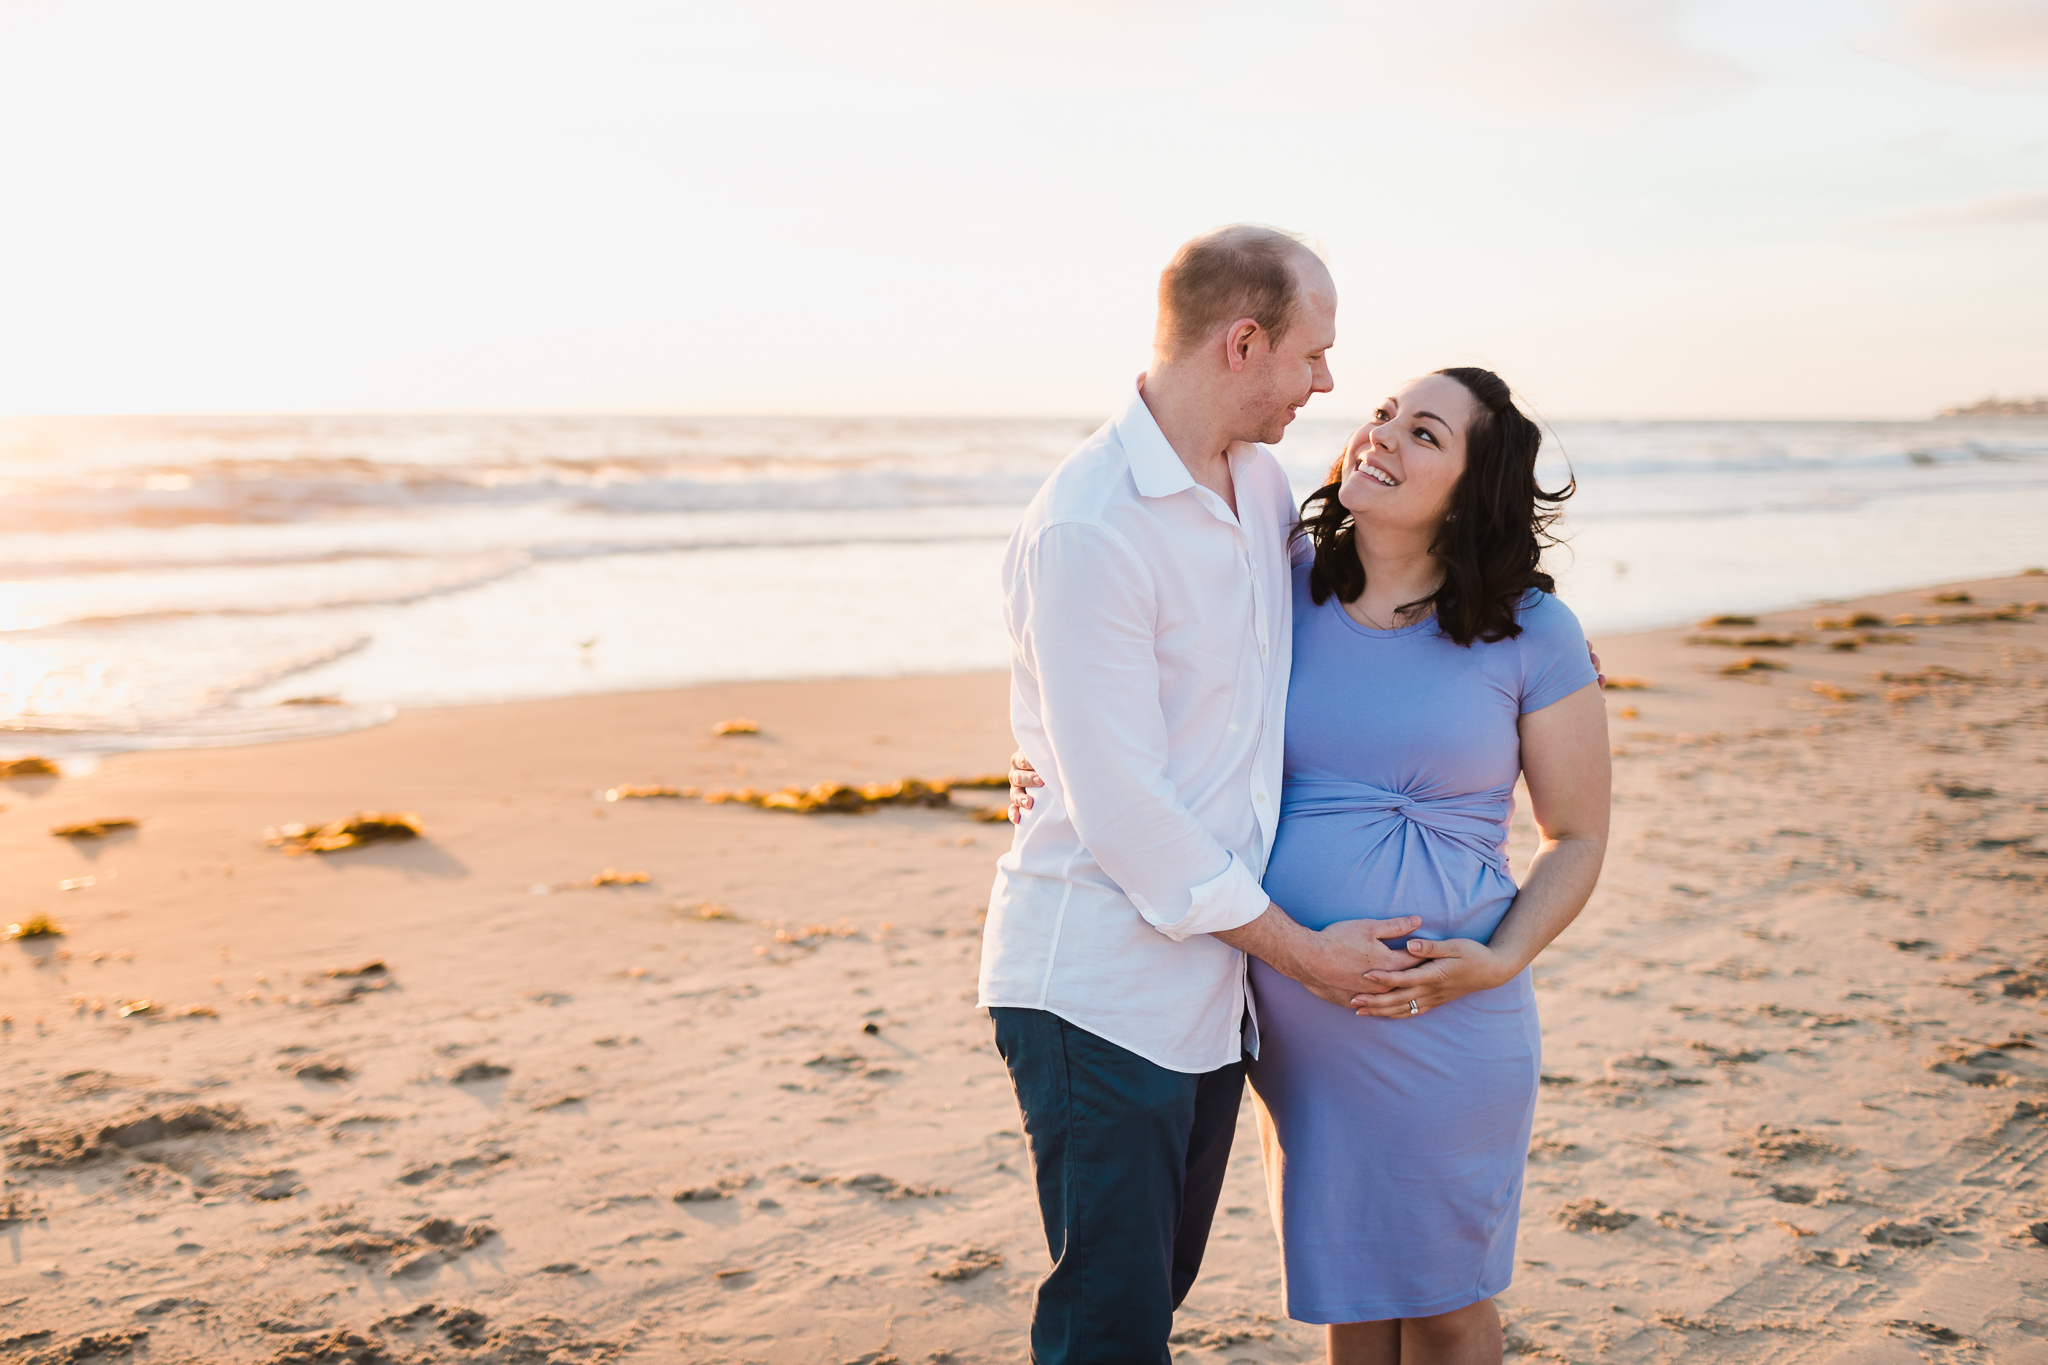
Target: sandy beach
x=446 y=1099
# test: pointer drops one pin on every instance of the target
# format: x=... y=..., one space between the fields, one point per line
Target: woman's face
x=1400 y=468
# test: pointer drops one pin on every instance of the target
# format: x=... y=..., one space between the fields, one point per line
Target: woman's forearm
x=1561 y=879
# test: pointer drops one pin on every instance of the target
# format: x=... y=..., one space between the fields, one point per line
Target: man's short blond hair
x=1240 y=271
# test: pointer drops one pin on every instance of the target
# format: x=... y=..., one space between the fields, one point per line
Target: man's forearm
x=1332 y=962
x=1274 y=939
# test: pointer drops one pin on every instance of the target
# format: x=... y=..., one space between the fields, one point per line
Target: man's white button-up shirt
x=1149 y=648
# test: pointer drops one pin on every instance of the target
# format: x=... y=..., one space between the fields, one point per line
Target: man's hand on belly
x=1332 y=963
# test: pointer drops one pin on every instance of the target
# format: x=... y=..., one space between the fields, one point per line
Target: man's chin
x=1277 y=428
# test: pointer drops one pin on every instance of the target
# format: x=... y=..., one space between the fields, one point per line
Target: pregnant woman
x=1431 y=668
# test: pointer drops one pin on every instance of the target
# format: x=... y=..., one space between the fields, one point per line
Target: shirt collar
x=1155 y=468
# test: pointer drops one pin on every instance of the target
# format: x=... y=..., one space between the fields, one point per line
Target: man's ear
x=1243 y=333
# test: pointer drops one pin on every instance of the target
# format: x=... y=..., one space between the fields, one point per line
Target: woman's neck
x=1399 y=569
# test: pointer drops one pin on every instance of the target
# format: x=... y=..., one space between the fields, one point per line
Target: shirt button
x=1262 y=649
x=1260 y=797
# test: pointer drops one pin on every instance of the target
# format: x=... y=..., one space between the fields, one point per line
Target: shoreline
x=22 y=742
x=745 y=1111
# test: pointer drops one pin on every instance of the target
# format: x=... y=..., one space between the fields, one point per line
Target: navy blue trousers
x=1129 y=1160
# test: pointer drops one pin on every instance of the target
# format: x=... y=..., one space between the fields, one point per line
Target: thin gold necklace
x=1370 y=624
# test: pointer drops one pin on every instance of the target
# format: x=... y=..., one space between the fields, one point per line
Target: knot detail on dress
x=1474 y=822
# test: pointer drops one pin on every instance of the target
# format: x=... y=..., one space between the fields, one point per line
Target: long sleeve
x=1084 y=613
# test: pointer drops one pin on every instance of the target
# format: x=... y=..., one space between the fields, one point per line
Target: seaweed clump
x=364 y=827
x=36 y=926
x=840 y=798
x=2011 y=611
x=28 y=767
x=1763 y=640
x=94 y=829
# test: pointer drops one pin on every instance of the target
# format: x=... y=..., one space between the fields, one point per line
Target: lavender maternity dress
x=1394 y=1147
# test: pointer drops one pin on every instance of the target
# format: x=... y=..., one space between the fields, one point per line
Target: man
x=1149 y=616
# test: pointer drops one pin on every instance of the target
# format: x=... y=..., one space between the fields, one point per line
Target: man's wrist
x=1302 y=947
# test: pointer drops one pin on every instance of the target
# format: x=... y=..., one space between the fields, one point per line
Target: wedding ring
x=1414 y=1008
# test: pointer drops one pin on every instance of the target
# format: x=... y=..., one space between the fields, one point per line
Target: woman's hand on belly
x=1450 y=968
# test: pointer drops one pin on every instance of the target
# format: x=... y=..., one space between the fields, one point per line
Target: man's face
x=1278 y=379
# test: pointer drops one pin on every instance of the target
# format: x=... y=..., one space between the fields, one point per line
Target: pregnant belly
x=1326 y=869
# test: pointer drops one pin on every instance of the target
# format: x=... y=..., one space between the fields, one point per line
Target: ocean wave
x=63 y=737
x=31 y=604
x=259 y=496
x=791 y=465
x=542 y=532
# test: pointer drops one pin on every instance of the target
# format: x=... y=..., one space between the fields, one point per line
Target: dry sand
x=1787 y=1045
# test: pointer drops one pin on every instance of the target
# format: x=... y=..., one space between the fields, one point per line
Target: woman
x=1431 y=667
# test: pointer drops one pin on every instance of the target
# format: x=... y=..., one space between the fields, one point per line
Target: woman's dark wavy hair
x=1492 y=539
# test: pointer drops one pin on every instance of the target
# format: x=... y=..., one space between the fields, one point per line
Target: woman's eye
x=1424 y=434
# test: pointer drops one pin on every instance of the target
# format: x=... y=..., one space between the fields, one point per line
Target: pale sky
x=1627 y=207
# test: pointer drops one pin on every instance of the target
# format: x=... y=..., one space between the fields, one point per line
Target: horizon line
x=884 y=416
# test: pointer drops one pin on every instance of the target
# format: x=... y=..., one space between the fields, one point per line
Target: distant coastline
x=2001 y=407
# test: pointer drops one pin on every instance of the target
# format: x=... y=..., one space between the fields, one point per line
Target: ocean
x=169 y=581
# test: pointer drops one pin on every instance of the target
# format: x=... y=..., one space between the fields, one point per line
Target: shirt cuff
x=1231 y=899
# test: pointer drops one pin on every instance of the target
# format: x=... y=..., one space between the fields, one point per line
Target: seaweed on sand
x=37 y=925
x=94 y=829
x=364 y=827
x=842 y=798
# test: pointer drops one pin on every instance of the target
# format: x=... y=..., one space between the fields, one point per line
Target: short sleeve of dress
x=1555 y=662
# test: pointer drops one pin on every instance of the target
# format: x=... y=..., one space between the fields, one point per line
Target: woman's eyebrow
x=1434 y=418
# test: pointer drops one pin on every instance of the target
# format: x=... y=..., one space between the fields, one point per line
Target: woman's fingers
x=1023 y=777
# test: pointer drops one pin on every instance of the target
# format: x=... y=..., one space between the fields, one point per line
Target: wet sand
x=746 y=1111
